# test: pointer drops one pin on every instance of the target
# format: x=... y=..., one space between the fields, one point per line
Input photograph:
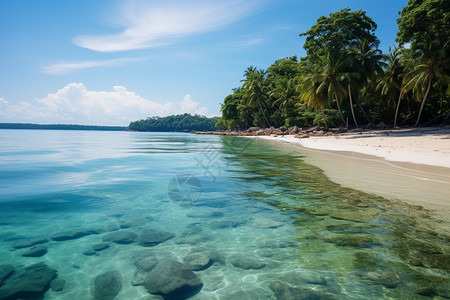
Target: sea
x=143 y=215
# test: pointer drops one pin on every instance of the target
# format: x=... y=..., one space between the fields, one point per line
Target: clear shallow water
x=274 y=226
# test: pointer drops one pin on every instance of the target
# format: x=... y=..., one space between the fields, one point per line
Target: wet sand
x=425 y=185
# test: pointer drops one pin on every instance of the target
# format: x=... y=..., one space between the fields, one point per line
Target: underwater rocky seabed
x=86 y=215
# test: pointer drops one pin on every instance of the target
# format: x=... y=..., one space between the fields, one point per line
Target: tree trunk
x=351 y=104
x=363 y=111
x=339 y=108
x=423 y=101
x=264 y=115
x=324 y=119
x=445 y=120
x=398 y=106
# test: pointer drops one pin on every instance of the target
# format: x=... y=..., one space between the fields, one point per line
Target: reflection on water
x=94 y=208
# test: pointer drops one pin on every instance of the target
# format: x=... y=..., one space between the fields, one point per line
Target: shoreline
x=429 y=146
x=418 y=177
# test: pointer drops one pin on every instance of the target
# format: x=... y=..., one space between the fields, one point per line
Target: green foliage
x=424 y=17
x=344 y=72
x=184 y=122
x=338 y=30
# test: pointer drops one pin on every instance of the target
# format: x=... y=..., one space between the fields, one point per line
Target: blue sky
x=109 y=62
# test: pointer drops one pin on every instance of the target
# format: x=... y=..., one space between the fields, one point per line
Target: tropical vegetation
x=184 y=122
x=345 y=79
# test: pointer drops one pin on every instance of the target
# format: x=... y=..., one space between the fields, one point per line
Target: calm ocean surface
x=229 y=217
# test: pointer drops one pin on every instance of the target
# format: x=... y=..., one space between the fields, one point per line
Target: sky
x=110 y=62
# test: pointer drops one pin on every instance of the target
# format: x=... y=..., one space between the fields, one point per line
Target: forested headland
x=184 y=122
x=346 y=79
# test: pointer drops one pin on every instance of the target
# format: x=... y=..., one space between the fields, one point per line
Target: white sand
x=411 y=165
x=430 y=146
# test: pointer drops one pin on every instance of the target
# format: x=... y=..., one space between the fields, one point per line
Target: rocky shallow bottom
x=270 y=227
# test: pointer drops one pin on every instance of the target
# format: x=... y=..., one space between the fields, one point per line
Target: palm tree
x=429 y=63
x=366 y=63
x=391 y=82
x=308 y=93
x=254 y=89
x=331 y=76
x=284 y=92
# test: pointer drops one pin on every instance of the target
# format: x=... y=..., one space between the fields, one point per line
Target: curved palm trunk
x=264 y=115
x=351 y=104
x=398 y=106
x=363 y=111
x=339 y=108
x=423 y=101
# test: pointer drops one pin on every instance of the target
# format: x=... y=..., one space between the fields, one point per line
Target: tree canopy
x=346 y=79
x=424 y=17
x=339 y=30
x=184 y=122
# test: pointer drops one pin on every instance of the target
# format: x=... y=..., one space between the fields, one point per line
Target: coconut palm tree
x=254 y=90
x=366 y=63
x=284 y=92
x=331 y=77
x=391 y=82
x=308 y=93
x=429 y=63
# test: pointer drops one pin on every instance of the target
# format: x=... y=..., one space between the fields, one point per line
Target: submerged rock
x=100 y=247
x=150 y=237
x=147 y=263
x=351 y=215
x=72 y=235
x=284 y=291
x=246 y=262
x=386 y=278
x=198 y=261
x=89 y=252
x=266 y=223
x=120 y=237
x=172 y=280
x=28 y=243
x=36 y=251
x=57 y=285
x=303 y=277
x=205 y=214
x=224 y=224
x=107 y=285
x=30 y=282
x=5 y=272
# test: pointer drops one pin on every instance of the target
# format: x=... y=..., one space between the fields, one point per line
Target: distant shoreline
x=61 y=127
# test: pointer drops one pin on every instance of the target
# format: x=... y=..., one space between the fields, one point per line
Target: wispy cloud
x=67 y=67
x=157 y=23
x=76 y=104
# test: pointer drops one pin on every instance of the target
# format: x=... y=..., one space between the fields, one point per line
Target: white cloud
x=67 y=67
x=157 y=23
x=74 y=104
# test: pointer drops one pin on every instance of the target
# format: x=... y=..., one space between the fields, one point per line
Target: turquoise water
x=272 y=226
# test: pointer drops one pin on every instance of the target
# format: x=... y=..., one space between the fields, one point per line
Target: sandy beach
x=430 y=146
x=412 y=165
